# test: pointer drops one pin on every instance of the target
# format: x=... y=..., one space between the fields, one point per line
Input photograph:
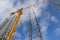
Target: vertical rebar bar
x=30 y=28
x=40 y=34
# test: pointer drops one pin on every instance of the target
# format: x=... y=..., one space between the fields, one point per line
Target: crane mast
x=14 y=25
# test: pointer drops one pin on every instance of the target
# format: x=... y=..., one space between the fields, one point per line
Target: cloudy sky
x=48 y=17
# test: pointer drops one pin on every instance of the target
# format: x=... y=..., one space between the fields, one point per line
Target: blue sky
x=48 y=17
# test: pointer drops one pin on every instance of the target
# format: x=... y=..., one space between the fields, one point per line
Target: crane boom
x=14 y=25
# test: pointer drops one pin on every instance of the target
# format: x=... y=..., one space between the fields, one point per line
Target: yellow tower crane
x=15 y=22
x=14 y=25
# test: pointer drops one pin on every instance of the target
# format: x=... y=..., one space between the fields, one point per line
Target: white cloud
x=44 y=23
x=4 y=9
x=44 y=26
x=31 y=9
x=37 y=38
x=54 y=19
x=7 y=6
x=17 y=34
x=24 y=28
x=57 y=31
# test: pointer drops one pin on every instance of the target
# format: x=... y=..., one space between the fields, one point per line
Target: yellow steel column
x=14 y=25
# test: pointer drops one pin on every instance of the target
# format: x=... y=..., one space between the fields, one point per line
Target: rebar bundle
x=31 y=27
